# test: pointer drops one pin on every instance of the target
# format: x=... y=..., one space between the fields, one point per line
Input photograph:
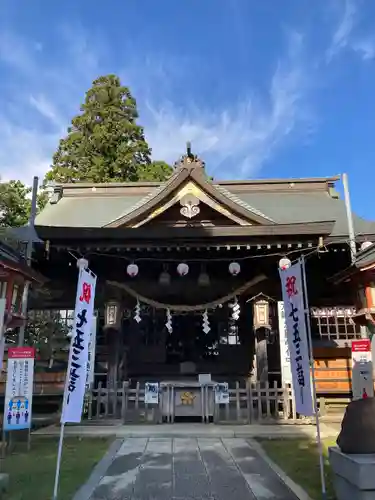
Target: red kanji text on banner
x=294 y=306
x=75 y=386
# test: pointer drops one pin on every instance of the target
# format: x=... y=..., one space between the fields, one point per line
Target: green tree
x=15 y=203
x=104 y=142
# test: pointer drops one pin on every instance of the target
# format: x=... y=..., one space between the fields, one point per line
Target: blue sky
x=262 y=88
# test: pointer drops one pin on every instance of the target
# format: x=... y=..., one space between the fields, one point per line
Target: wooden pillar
x=261 y=356
x=114 y=348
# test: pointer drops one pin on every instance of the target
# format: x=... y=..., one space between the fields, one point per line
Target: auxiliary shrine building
x=188 y=278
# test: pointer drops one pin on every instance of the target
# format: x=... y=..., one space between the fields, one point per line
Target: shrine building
x=188 y=273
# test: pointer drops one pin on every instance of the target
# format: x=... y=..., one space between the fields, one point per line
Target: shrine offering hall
x=188 y=273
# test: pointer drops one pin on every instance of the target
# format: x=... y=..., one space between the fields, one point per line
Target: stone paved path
x=189 y=469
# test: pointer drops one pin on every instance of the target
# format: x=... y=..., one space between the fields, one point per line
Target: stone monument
x=353 y=460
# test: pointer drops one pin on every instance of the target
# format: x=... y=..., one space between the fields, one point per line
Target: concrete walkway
x=193 y=430
x=184 y=469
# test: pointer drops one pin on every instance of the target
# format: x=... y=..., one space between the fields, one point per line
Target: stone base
x=353 y=475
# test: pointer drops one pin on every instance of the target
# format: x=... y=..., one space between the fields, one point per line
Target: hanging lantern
x=284 y=263
x=112 y=315
x=82 y=263
x=182 y=269
x=132 y=270
x=234 y=268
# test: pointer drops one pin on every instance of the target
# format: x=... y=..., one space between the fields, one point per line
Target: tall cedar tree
x=104 y=143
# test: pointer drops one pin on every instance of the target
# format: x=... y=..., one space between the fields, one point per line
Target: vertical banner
x=75 y=386
x=286 y=372
x=19 y=388
x=293 y=297
x=92 y=351
x=362 y=379
x=2 y=331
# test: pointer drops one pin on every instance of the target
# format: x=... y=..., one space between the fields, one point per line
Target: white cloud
x=24 y=152
x=344 y=28
x=244 y=134
x=347 y=35
x=46 y=108
x=365 y=47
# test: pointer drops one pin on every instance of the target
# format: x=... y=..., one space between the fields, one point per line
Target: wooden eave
x=196 y=174
x=125 y=235
x=23 y=269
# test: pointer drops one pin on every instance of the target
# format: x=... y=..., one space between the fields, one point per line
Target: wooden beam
x=174 y=234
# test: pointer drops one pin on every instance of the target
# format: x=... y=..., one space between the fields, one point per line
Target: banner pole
x=308 y=325
x=58 y=464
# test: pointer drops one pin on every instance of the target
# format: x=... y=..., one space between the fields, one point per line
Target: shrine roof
x=12 y=260
x=264 y=202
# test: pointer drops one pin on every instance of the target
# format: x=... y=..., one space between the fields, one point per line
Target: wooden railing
x=247 y=404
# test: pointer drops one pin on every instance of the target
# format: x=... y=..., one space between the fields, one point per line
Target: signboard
x=2 y=331
x=19 y=388
x=292 y=292
x=222 y=393
x=151 y=393
x=286 y=372
x=91 y=356
x=75 y=385
x=362 y=379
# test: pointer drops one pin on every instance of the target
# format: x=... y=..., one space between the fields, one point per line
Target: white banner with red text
x=75 y=386
x=294 y=308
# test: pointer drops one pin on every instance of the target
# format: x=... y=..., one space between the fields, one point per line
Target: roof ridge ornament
x=189 y=160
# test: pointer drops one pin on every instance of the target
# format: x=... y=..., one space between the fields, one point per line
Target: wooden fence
x=247 y=404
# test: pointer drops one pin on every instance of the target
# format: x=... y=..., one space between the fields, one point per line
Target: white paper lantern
x=234 y=268
x=284 y=263
x=82 y=263
x=132 y=270
x=182 y=269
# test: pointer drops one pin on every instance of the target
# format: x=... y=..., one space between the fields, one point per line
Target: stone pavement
x=186 y=469
x=119 y=430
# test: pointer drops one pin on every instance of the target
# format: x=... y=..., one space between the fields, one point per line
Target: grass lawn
x=299 y=458
x=32 y=474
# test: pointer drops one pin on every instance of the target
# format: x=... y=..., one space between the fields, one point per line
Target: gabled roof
x=190 y=169
x=264 y=202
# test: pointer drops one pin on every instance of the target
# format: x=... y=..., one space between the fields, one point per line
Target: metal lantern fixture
x=182 y=269
x=204 y=279
x=112 y=314
x=165 y=278
x=234 y=268
x=132 y=270
x=284 y=263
